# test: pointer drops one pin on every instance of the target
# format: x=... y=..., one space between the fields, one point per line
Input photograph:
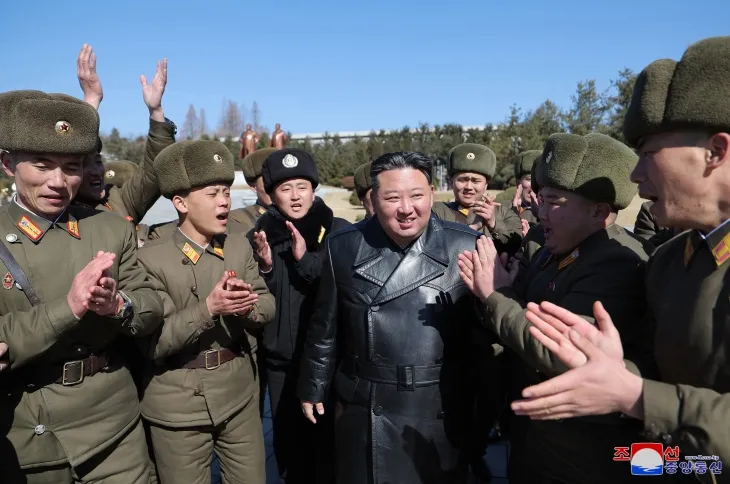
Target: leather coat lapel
x=424 y=261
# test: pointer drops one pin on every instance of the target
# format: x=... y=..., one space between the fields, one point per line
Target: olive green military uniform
x=117 y=173
x=363 y=181
x=648 y=229
x=201 y=391
x=140 y=192
x=688 y=404
x=69 y=407
x=470 y=157
x=607 y=266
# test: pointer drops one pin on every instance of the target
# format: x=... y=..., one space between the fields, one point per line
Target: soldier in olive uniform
x=524 y=197
x=363 y=188
x=471 y=166
x=201 y=391
x=72 y=285
x=679 y=122
x=133 y=199
x=584 y=182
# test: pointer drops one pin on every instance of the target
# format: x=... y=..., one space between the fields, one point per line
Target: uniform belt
x=210 y=359
x=71 y=372
x=405 y=377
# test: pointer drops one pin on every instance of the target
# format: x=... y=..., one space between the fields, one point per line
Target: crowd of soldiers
x=390 y=348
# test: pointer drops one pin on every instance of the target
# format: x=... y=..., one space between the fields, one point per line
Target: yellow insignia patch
x=191 y=253
x=721 y=252
x=218 y=251
x=30 y=229
x=465 y=211
x=73 y=227
x=321 y=234
x=262 y=210
x=569 y=260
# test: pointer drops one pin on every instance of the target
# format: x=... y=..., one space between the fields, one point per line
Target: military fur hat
x=186 y=165
x=36 y=122
x=693 y=93
x=535 y=187
x=253 y=162
x=595 y=166
x=286 y=164
x=524 y=162
x=363 y=180
x=473 y=158
x=118 y=172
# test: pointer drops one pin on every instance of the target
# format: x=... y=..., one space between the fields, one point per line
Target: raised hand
x=298 y=246
x=105 y=300
x=263 y=251
x=517 y=199
x=88 y=78
x=486 y=210
x=152 y=92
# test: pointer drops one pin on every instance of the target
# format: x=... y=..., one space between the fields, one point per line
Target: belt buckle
x=406 y=377
x=68 y=366
x=218 y=363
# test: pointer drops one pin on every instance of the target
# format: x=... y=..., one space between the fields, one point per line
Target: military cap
x=118 y=172
x=595 y=166
x=186 y=165
x=524 y=162
x=473 y=158
x=253 y=162
x=36 y=122
x=693 y=93
x=535 y=187
x=288 y=163
x=363 y=180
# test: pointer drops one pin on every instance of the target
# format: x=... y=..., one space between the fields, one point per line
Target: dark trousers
x=304 y=451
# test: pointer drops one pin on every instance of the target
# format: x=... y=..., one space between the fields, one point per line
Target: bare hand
x=481 y=270
x=486 y=210
x=88 y=78
x=298 y=246
x=263 y=251
x=511 y=265
x=79 y=296
x=525 y=226
x=551 y=326
x=152 y=92
x=308 y=409
x=236 y=284
x=602 y=385
x=228 y=302
x=105 y=300
x=3 y=349
x=517 y=199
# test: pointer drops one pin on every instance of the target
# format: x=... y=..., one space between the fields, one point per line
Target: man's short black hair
x=398 y=161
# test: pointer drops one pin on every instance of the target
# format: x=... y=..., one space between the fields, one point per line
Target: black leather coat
x=391 y=328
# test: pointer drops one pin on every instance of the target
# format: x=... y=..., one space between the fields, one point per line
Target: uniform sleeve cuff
x=661 y=407
x=61 y=316
x=204 y=318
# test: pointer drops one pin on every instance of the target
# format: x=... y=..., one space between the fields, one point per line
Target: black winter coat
x=293 y=284
x=401 y=320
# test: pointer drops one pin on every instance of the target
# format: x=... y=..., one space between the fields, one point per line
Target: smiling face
x=45 y=183
x=92 y=186
x=469 y=188
x=402 y=202
x=293 y=197
x=205 y=209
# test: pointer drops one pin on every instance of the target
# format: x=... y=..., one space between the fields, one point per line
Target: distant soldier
x=363 y=188
x=647 y=227
x=471 y=166
x=524 y=197
x=278 y=138
x=72 y=286
x=249 y=139
x=201 y=391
